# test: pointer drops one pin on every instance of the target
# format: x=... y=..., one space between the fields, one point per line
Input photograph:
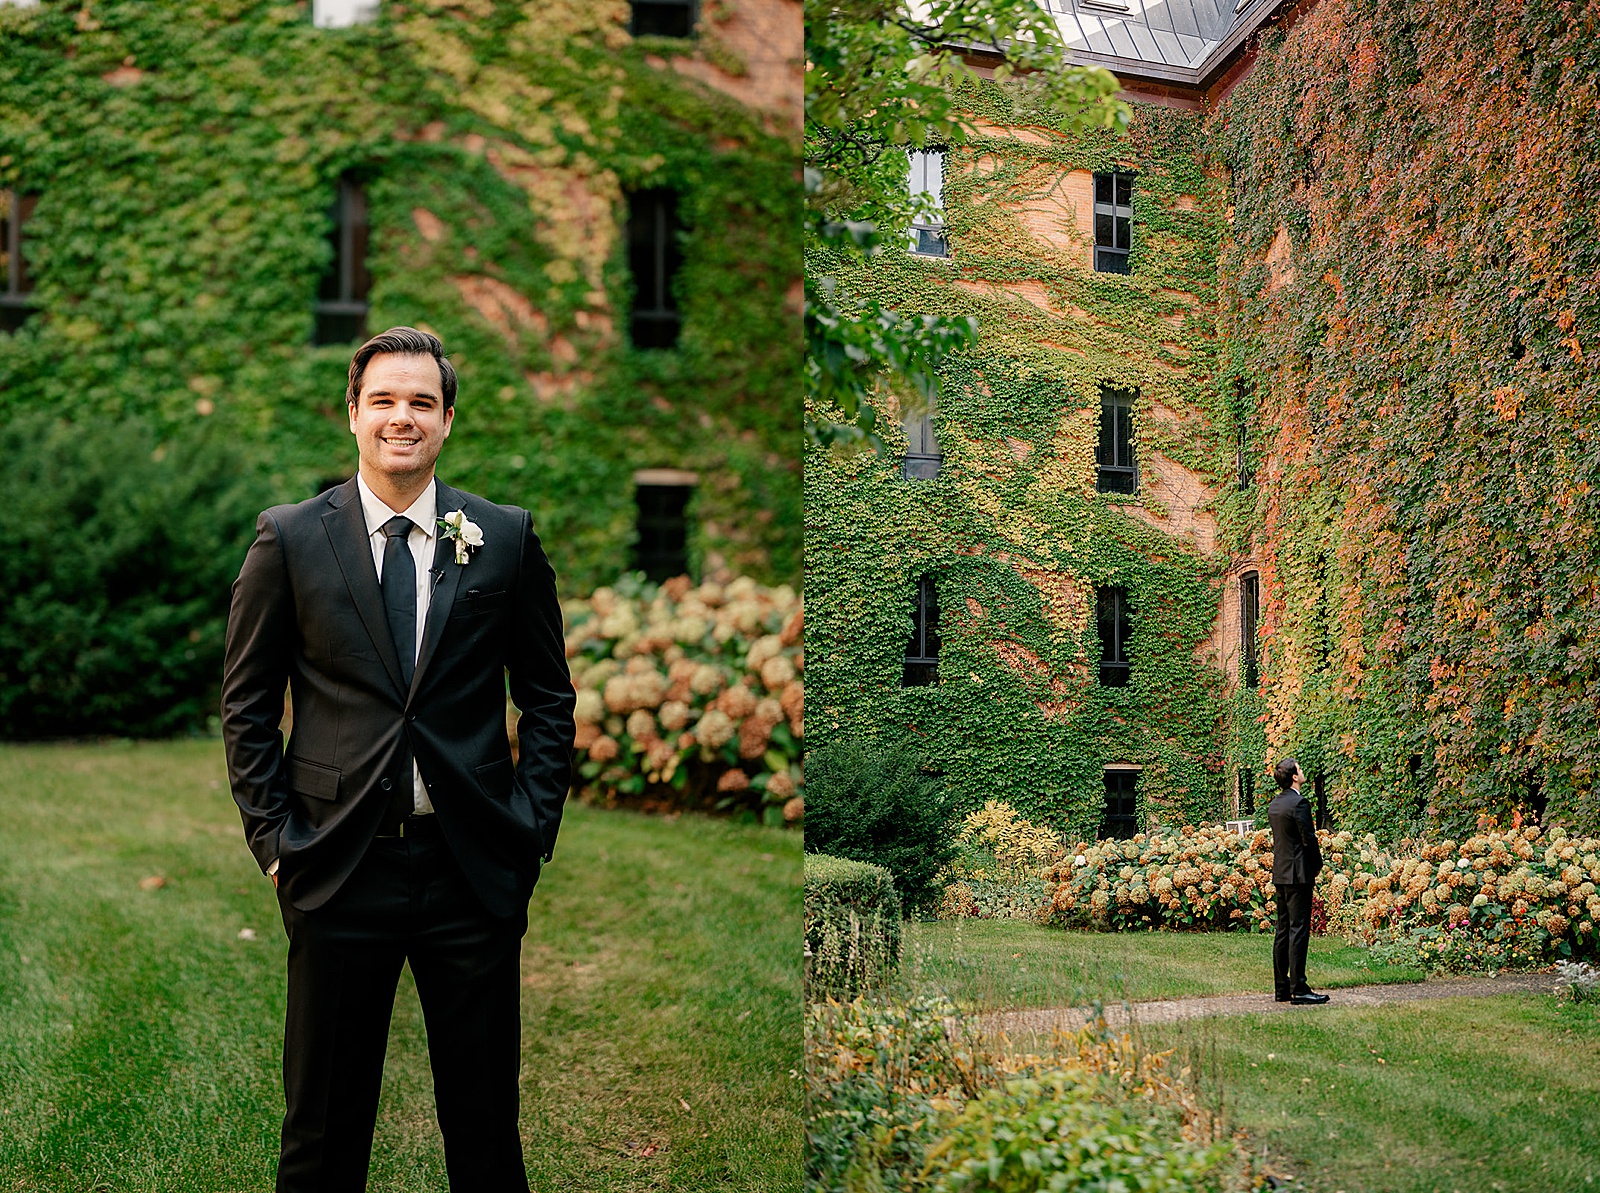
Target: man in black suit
x=394 y=824
x=1296 y=862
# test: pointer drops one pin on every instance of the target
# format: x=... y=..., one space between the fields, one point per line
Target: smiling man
x=393 y=823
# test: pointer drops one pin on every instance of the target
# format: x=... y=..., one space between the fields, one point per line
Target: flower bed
x=1499 y=899
x=689 y=696
x=996 y=870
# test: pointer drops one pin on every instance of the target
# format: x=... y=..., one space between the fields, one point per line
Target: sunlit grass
x=1002 y=964
x=140 y=1035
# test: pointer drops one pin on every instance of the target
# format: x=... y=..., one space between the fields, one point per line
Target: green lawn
x=140 y=1029
x=1460 y=1095
x=994 y=964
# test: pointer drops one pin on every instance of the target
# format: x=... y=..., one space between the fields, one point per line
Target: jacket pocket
x=473 y=603
x=313 y=779
x=496 y=778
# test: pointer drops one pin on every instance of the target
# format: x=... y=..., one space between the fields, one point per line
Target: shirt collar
x=423 y=512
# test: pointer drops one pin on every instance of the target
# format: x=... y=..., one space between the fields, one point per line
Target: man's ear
x=449 y=417
x=350 y=407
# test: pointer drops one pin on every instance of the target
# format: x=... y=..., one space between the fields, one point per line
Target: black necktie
x=399 y=586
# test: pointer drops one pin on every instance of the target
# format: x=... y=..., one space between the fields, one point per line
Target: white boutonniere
x=465 y=534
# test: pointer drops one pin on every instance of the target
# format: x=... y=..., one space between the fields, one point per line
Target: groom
x=399 y=612
x=1296 y=862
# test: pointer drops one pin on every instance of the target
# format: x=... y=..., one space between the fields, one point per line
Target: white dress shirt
x=424 y=513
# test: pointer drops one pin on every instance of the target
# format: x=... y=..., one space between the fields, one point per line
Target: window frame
x=1110 y=813
x=1249 y=623
x=1116 y=667
x=667 y=258
x=352 y=280
x=1121 y=473
x=922 y=650
x=677 y=525
x=16 y=302
x=1113 y=257
x=923 y=458
x=927 y=234
x=690 y=6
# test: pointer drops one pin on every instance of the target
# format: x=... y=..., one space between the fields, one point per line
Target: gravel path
x=1044 y=1021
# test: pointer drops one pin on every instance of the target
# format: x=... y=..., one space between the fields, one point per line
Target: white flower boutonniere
x=466 y=535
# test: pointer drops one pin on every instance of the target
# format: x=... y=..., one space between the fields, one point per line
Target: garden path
x=1169 y=1010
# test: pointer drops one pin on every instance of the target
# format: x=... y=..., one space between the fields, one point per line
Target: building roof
x=1176 y=41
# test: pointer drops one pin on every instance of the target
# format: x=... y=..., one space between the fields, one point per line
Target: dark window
x=927 y=178
x=922 y=652
x=15 y=303
x=662 y=549
x=922 y=449
x=1537 y=799
x=1113 y=221
x=1118 y=469
x=1246 y=477
x=341 y=307
x=1112 y=617
x=1319 y=796
x=662 y=18
x=1122 y=804
x=1247 y=791
x=654 y=257
x=1249 y=608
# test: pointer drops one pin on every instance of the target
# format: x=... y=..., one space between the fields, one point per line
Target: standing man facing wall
x=394 y=824
x=1296 y=862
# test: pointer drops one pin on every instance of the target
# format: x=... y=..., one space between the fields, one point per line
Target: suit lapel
x=347 y=532
x=446 y=580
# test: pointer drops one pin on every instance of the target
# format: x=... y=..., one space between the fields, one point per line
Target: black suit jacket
x=307 y=613
x=1296 y=856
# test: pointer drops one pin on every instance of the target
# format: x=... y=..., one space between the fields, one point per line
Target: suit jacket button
x=386 y=784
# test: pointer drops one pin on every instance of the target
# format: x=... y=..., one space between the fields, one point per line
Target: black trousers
x=1292 y=938
x=406 y=901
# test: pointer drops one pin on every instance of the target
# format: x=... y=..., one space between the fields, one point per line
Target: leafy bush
x=875 y=1074
x=852 y=925
x=1578 y=981
x=117 y=553
x=1500 y=899
x=903 y=1097
x=876 y=804
x=995 y=873
x=1053 y=1132
x=690 y=696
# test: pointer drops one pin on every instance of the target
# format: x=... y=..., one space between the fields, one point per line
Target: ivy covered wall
x=1376 y=255
x=1012 y=529
x=185 y=158
x=1411 y=290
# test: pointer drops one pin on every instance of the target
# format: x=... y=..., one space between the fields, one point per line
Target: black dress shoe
x=1307 y=998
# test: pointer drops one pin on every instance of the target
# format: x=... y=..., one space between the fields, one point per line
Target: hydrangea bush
x=690 y=696
x=1502 y=898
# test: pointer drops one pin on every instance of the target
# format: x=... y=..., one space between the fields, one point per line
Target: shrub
x=995 y=873
x=852 y=926
x=1499 y=899
x=876 y=804
x=1578 y=981
x=689 y=696
x=117 y=553
x=1053 y=1132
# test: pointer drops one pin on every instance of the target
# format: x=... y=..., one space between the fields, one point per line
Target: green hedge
x=875 y=803
x=852 y=926
x=116 y=558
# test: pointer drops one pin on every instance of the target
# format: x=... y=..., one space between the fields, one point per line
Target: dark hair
x=1284 y=773
x=407 y=341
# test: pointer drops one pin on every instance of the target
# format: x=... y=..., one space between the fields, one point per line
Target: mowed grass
x=1457 y=1095
x=1002 y=964
x=140 y=1035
